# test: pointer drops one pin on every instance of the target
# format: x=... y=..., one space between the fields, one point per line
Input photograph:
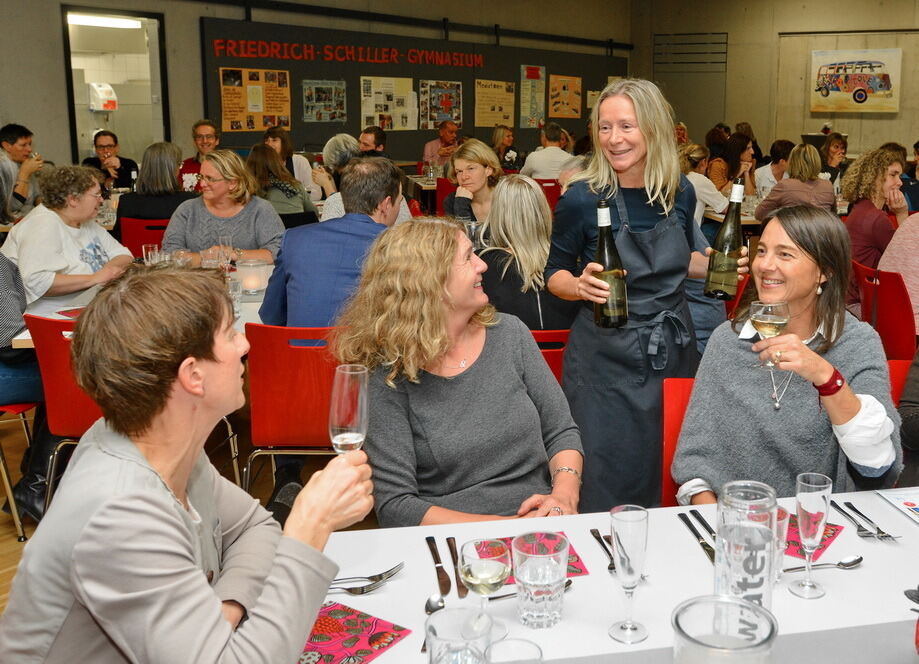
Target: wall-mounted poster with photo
x=532 y=96
x=855 y=81
x=439 y=101
x=564 y=96
x=388 y=103
x=254 y=99
x=324 y=101
x=494 y=103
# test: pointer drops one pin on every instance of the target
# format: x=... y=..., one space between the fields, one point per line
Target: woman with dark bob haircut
x=736 y=160
x=823 y=407
x=147 y=553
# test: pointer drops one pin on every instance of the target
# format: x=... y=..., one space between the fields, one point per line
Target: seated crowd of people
x=441 y=311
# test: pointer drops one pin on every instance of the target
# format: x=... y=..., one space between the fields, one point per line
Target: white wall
x=34 y=72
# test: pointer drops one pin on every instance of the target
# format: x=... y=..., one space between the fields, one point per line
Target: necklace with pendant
x=462 y=363
x=775 y=396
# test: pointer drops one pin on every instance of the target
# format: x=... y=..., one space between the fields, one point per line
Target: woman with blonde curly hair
x=519 y=231
x=872 y=185
x=453 y=383
x=474 y=167
x=228 y=208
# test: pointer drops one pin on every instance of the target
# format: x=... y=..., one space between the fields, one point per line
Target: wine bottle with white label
x=615 y=311
x=721 y=280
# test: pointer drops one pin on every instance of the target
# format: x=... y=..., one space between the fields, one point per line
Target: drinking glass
x=540 y=568
x=812 y=496
x=781 y=540
x=769 y=319
x=629 y=531
x=211 y=259
x=235 y=288
x=149 y=252
x=348 y=408
x=513 y=651
x=226 y=250
x=457 y=636
x=716 y=628
x=485 y=565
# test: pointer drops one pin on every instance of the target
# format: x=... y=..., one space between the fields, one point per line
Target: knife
x=709 y=551
x=461 y=588
x=596 y=534
x=443 y=581
x=701 y=519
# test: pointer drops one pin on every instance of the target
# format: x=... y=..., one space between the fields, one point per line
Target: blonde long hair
x=520 y=225
x=397 y=318
x=231 y=167
x=655 y=120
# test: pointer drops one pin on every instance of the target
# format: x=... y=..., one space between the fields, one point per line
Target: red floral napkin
x=576 y=566
x=342 y=635
x=793 y=548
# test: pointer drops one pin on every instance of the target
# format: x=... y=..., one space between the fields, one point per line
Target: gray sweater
x=732 y=432
x=256 y=226
x=479 y=442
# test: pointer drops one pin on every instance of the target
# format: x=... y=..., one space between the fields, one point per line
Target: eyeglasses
x=205 y=137
x=97 y=194
x=209 y=179
x=106 y=147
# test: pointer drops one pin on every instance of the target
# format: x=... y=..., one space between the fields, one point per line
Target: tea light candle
x=253 y=274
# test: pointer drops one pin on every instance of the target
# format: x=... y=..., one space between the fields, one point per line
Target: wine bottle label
x=737 y=193
x=603 y=216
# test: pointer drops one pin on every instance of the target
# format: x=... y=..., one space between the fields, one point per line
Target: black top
x=539 y=310
x=124 y=171
x=138 y=206
x=461 y=207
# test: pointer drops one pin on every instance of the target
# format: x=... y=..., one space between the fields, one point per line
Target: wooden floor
x=13 y=441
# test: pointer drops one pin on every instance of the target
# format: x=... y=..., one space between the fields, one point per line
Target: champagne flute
x=769 y=319
x=629 y=530
x=226 y=251
x=348 y=408
x=812 y=496
x=485 y=565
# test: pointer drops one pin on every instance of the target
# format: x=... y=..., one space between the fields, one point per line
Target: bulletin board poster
x=388 y=103
x=439 y=101
x=254 y=99
x=494 y=103
x=855 y=81
x=532 y=96
x=592 y=97
x=564 y=96
x=324 y=101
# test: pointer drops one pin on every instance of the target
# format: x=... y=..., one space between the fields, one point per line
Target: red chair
x=444 y=189
x=137 y=232
x=887 y=307
x=290 y=387
x=899 y=370
x=414 y=208
x=893 y=221
x=552 y=346
x=553 y=191
x=19 y=409
x=676 y=398
x=731 y=305
x=419 y=169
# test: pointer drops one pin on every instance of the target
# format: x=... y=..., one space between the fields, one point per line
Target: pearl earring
x=819 y=290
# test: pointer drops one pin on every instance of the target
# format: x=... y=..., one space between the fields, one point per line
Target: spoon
x=434 y=603
x=846 y=563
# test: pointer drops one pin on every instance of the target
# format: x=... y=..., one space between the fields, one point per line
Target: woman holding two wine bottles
x=613 y=376
x=820 y=401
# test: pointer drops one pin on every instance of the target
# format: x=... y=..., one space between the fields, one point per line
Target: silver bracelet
x=566 y=469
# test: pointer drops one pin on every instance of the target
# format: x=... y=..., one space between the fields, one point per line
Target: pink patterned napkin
x=342 y=635
x=793 y=548
x=576 y=566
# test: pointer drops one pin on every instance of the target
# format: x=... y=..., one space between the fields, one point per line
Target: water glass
x=629 y=534
x=812 y=502
x=235 y=288
x=182 y=257
x=540 y=568
x=781 y=540
x=211 y=259
x=457 y=636
x=513 y=651
x=348 y=408
x=715 y=628
x=149 y=252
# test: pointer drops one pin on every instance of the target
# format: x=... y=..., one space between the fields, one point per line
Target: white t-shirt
x=707 y=195
x=42 y=245
x=545 y=164
x=333 y=208
x=765 y=180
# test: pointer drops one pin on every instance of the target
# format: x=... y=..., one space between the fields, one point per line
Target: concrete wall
x=753 y=91
x=33 y=76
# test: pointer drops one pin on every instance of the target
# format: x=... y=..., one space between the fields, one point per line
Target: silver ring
x=556 y=508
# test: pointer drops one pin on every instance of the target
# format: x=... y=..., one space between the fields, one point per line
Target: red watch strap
x=832 y=386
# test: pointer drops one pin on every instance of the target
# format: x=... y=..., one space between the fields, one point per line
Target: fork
x=881 y=535
x=382 y=576
x=360 y=590
x=861 y=531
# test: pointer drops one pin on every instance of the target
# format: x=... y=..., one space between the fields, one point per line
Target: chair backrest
x=70 y=410
x=294 y=219
x=893 y=220
x=731 y=305
x=676 y=398
x=552 y=346
x=414 y=208
x=137 y=232
x=553 y=191
x=887 y=307
x=290 y=386
x=419 y=168
x=899 y=370
x=444 y=189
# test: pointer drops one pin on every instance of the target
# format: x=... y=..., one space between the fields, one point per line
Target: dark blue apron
x=613 y=378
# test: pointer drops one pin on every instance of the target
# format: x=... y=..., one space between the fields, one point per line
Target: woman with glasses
x=227 y=208
x=61 y=252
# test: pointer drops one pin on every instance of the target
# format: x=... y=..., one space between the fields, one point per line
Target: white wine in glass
x=484 y=566
x=348 y=410
x=769 y=319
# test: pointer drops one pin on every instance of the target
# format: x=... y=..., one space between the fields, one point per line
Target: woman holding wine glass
x=824 y=406
x=467 y=422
